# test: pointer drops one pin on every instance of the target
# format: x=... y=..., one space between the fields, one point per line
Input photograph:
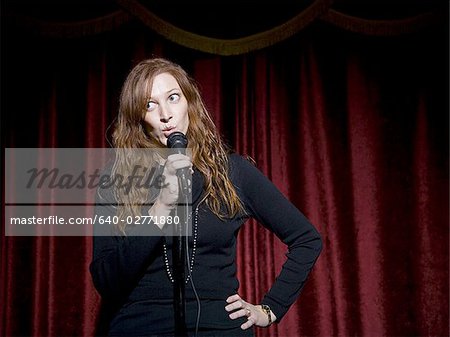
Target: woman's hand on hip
x=237 y=307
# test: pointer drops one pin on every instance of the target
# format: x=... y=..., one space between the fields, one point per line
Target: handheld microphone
x=178 y=141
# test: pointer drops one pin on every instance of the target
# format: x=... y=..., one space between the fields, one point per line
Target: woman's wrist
x=160 y=209
x=268 y=312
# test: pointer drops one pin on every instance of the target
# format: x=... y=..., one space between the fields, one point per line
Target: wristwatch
x=266 y=309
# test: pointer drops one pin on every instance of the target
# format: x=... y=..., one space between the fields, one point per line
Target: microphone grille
x=177 y=140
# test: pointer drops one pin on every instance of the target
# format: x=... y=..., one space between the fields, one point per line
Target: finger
x=250 y=322
x=240 y=313
x=235 y=305
x=171 y=169
x=181 y=164
x=177 y=157
x=233 y=298
x=177 y=161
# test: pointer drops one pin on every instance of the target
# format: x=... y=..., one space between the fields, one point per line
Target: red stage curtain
x=353 y=129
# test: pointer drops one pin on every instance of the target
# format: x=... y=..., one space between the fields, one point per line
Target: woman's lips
x=168 y=131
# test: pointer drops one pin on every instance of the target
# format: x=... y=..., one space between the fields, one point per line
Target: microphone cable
x=191 y=280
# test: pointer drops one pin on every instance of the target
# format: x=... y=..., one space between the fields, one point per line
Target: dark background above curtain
x=219 y=19
x=207 y=18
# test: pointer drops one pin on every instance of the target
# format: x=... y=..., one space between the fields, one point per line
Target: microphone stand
x=179 y=258
x=177 y=141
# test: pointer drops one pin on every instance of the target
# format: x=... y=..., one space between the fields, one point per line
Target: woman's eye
x=151 y=105
x=174 y=98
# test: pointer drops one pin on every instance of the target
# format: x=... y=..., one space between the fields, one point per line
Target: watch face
x=266 y=309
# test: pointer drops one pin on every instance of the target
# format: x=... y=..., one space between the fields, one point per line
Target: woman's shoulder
x=242 y=167
x=241 y=159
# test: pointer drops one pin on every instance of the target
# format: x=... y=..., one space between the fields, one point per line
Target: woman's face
x=166 y=109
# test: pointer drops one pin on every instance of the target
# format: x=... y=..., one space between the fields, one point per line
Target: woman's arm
x=269 y=206
x=120 y=261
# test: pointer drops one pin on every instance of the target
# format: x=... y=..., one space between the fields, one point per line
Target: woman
x=134 y=271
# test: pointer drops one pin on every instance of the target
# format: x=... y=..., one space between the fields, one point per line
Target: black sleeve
x=120 y=261
x=264 y=202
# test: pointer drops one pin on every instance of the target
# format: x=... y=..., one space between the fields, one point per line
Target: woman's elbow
x=318 y=242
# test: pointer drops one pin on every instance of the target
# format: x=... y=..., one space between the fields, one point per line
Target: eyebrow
x=168 y=92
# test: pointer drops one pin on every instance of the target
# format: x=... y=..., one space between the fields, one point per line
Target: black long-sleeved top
x=130 y=269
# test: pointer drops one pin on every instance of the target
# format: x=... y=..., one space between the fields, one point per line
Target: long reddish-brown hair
x=209 y=153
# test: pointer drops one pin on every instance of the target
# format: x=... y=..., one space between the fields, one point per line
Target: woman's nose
x=165 y=114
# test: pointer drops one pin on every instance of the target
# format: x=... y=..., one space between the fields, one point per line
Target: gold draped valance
x=317 y=10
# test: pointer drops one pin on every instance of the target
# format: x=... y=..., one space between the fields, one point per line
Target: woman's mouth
x=168 y=130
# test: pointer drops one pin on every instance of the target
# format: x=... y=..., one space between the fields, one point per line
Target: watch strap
x=266 y=309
